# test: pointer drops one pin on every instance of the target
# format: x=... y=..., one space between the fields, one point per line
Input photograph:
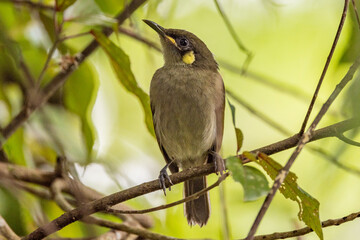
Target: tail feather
x=197 y=211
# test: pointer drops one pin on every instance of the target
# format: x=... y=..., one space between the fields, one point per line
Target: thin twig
x=328 y=60
x=102 y=204
x=305 y=138
x=237 y=40
x=343 y=138
x=31 y=4
x=74 y=36
x=165 y=206
x=306 y=230
x=46 y=65
x=59 y=184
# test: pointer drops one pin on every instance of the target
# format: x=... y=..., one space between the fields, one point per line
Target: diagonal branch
x=305 y=138
x=61 y=77
x=110 y=200
x=328 y=60
x=31 y=4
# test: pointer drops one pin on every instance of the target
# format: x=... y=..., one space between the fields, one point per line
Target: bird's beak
x=160 y=30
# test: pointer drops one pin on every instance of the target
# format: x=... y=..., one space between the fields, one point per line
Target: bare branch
x=31 y=4
x=306 y=230
x=45 y=178
x=305 y=138
x=328 y=60
x=237 y=40
x=330 y=131
x=186 y=199
x=103 y=203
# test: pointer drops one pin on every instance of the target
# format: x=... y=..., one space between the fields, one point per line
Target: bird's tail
x=197 y=211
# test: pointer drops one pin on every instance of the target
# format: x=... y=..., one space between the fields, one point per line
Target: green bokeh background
x=290 y=41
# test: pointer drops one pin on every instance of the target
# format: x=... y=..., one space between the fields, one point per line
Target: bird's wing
x=219 y=112
x=173 y=167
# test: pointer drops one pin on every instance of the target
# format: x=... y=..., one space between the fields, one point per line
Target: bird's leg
x=218 y=162
x=163 y=176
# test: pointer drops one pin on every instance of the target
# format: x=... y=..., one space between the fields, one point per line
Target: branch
x=329 y=131
x=115 y=198
x=6 y=231
x=131 y=227
x=238 y=42
x=306 y=230
x=328 y=60
x=305 y=138
x=31 y=4
x=186 y=199
x=45 y=178
x=345 y=139
x=61 y=77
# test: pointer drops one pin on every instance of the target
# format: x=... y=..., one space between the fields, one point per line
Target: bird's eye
x=183 y=42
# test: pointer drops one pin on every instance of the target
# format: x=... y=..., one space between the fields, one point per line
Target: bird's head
x=181 y=47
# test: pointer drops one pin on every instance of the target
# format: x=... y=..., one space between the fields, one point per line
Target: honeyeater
x=187 y=102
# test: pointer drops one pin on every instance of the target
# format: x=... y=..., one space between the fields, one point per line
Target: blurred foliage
x=96 y=123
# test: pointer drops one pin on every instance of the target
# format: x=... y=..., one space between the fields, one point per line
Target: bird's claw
x=163 y=176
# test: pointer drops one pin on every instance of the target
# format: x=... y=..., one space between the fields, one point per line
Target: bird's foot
x=163 y=176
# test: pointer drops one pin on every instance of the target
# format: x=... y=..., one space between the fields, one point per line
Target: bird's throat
x=188 y=57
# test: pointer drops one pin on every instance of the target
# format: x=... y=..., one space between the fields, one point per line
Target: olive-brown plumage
x=187 y=101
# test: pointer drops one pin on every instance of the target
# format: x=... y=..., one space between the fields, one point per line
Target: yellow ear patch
x=189 y=57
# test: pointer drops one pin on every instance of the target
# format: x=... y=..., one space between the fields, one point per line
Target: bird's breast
x=184 y=117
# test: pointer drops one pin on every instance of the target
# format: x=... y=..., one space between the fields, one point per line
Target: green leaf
x=79 y=97
x=14 y=148
x=309 y=206
x=254 y=182
x=238 y=133
x=62 y=5
x=121 y=65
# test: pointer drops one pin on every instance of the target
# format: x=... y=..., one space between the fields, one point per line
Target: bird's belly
x=189 y=131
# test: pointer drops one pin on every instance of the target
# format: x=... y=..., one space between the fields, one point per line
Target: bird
x=187 y=99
